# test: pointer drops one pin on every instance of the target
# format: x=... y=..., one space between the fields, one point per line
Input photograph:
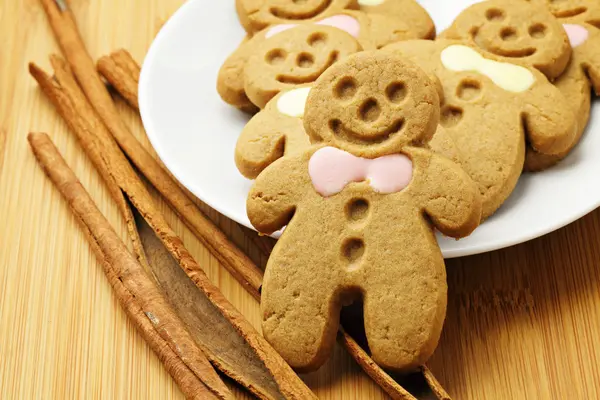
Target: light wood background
x=523 y=323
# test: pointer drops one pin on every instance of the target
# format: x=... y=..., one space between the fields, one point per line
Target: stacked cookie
x=360 y=206
x=368 y=136
x=290 y=43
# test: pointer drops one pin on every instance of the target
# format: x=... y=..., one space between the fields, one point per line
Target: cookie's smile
x=340 y=130
x=512 y=53
x=299 y=79
x=291 y=15
x=569 y=13
x=499 y=50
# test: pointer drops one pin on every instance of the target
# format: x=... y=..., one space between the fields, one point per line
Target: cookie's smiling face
x=295 y=56
x=372 y=104
x=509 y=34
x=519 y=30
x=360 y=115
x=301 y=54
x=513 y=31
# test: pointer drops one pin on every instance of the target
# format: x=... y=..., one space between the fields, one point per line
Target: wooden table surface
x=523 y=323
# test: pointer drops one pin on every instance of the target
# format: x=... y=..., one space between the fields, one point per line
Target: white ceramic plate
x=194 y=132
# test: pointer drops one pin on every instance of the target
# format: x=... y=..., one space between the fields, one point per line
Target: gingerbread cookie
x=490 y=108
x=372 y=31
x=516 y=30
x=360 y=207
x=282 y=58
x=580 y=20
x=527 y=33
x=256 y=15
x=408 y=10
x=230 y=82
x=276 y=131
x=294 y=57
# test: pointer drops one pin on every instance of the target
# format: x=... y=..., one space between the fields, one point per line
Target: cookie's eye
x=396 y=92
x=468 y=90
x=537 y=31
x=345 y=89
x=494 y=15
x=318 y=39
x=276 y=56
x=450 y=116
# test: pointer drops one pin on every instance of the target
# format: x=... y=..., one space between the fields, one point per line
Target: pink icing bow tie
x=331 y=169
x=343 y=22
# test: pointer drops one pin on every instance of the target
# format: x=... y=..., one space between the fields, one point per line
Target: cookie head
x=515 y=29
x=372 y=104
x=293 y=57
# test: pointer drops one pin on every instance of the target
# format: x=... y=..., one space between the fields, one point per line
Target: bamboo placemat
x=522 y=323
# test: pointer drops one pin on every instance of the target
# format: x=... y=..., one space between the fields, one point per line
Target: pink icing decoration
x=278 y=29
x=577 y=34
x=343 y=22
x=331 y=169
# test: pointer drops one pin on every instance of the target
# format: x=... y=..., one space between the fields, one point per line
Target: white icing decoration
x=510 y=77
x=292 y=103
x=370 y=2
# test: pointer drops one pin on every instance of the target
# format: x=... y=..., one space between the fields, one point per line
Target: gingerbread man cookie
x=408 y=10
x=256 y=15
x=580 y=19
x=490 y=108
x=528 y=33
x=372 y=31
x=360 y=207
x=516 y=30
x=281 y=58
x=276 y=131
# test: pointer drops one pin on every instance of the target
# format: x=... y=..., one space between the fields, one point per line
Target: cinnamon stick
x=122 y=72
x=137 y=294
x=69 y=39
x=93 y=149
x=127 y=78
x=250 y=361
x=435 y=386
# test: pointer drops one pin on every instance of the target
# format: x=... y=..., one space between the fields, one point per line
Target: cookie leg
x=404 y=314
x=299 y=318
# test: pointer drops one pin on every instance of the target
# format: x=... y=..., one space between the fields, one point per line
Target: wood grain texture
x=522 y=322
x=2 y=147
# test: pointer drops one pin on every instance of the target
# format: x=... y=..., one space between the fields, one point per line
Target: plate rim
x=152 y=135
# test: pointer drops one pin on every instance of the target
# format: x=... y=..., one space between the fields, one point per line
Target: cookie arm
x=593 y=70
x=549 y=122
x=230 y=82
x=592 y=62
x=265 y=139
x=446 y=193
x=273 y=198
